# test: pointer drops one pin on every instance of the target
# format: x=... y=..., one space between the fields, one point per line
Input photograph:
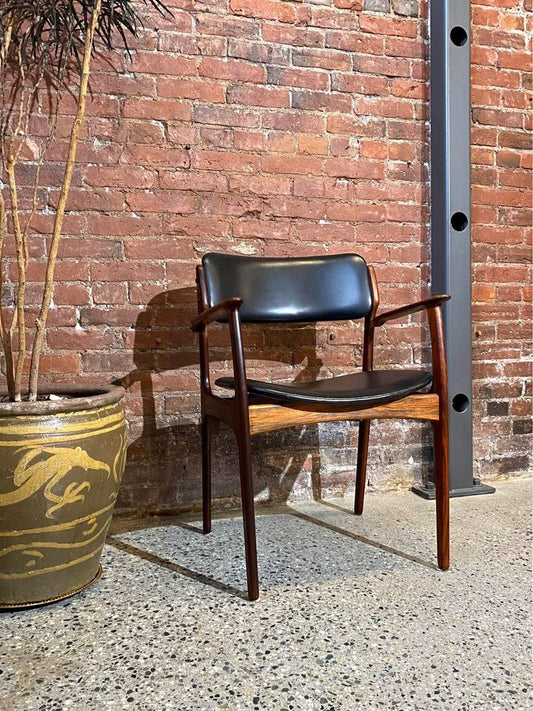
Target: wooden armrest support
x=425 y=304
x=215 y=312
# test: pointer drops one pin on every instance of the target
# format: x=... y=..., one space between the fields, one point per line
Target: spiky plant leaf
x=48 y=36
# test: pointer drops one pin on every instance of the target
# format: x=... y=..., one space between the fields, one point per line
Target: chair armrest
x=425 y=304
x=223 y=308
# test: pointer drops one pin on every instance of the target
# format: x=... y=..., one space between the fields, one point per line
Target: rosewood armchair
x=235 y=290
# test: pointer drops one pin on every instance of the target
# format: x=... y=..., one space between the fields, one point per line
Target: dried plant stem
x=39 y=163
x=60 y=212
x=5 y=334
x=7 y=41
x=19 y=319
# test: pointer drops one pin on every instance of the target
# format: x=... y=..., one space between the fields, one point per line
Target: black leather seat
x=366 y=389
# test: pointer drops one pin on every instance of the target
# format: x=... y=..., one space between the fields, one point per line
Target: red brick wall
x=275 y=127
x=501 y=253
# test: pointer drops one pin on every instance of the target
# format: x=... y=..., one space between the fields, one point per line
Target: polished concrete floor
x=353 y=614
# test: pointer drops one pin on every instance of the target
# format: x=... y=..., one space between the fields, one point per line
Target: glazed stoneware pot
x=61 y=463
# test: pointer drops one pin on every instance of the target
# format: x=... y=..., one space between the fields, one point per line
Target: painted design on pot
x=29 y=477
x=119 y=463
x=38 y=557
x=45 y=469
x=68 y=427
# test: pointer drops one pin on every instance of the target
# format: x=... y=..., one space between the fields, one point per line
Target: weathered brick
x=122 y=224
x=313 y=100
x=260 y=185
x=157 y=110
x=497 y=408
x=521 y=427
x=232 y=69
x=173 y=42
x=156 y=156
x=409 y=8
x=110 y=293
x=294 y=121
x=227 y=26
x=81 y=339
x=377 y=86
x=201 y=182
x=385 y=66
x=299 y=165
x=265 y=9
x=127 y=271
x=327 y=17
x=59 y=363
x=305 y=187
x=198 y=89
x=321 y=58
x=297 y=77
x=74 y=294
x=226 y=161
x=226 y=116
x=377 y=5
x=118 y=176
x=258 y=96
x=216 y=137
x=154 y=63
x=179 y=202
x=388 y=26
x=258 y=52
x=313 y=145
x=355 y=42
x=248 y=140
x=354 y=169
x=293 y=36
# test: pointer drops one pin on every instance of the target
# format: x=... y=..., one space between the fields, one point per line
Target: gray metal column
x=450 y=225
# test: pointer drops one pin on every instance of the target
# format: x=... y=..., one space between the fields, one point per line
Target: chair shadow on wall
x=163 y=472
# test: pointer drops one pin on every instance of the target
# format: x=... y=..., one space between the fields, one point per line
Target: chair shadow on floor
x=164 y=458
x=356 y=561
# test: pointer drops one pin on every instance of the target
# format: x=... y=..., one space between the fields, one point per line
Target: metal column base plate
x=428 y=491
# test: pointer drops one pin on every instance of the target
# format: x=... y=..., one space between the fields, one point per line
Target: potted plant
x=62 y=451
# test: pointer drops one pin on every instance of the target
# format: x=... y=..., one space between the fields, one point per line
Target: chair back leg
x=206 y=432
x=362 y=456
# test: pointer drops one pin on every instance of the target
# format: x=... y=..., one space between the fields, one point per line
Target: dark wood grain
x=215 y=312
x=267 y=418
x=428 y=303
x=364 y=425
x=441 y=436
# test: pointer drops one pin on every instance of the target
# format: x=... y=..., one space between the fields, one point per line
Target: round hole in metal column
x=460 y=402
x=458 y=36
x=459 y=221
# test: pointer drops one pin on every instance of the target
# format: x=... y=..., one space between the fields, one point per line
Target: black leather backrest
x=296 y=289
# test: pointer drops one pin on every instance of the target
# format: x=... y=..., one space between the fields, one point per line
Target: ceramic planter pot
x=61 y=463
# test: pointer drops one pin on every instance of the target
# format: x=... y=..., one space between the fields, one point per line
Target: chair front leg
x=442 y=489
x=248 y=512
x=362 y=457
x=440 y=436
x=242 y=433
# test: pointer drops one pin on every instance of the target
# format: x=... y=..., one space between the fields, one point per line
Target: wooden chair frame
x=246 y=416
